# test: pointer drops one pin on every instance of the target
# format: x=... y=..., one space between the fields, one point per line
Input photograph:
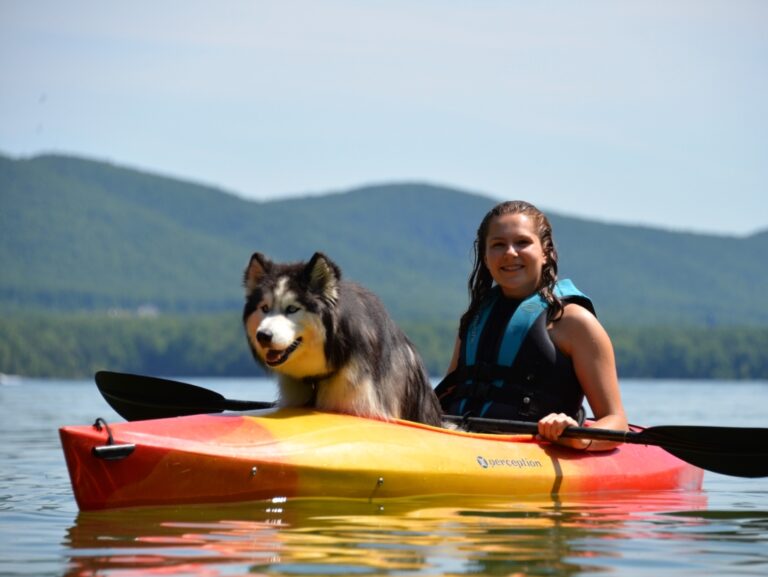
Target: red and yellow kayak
x=303 y=453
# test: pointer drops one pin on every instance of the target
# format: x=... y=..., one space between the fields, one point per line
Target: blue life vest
x=529 y=377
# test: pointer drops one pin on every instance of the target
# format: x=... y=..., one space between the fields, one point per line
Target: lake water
x=722 y=530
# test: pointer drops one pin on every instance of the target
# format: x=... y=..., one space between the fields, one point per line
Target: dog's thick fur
x=332 y=343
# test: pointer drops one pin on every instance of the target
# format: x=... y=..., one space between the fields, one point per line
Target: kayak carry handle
x=110 y=451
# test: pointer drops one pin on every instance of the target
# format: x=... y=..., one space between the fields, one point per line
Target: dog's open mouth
x=275 y=357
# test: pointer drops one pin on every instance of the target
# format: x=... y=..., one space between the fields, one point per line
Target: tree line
x=77 y=345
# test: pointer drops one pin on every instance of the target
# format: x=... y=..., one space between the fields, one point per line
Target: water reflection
x=413 y=537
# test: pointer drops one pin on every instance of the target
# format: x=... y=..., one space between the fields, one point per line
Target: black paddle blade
x=138 y=397
x=735 y=451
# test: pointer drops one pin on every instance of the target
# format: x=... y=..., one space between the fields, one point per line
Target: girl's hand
x=552 y=426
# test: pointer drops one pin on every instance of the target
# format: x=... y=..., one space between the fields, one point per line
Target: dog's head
x=287 y=313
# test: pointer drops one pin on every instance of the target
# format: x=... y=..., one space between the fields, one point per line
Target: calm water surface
x=722 y=530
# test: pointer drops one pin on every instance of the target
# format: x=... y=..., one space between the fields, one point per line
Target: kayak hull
x=303 y=453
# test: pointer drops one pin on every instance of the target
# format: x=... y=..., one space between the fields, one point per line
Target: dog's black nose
x=264 y=337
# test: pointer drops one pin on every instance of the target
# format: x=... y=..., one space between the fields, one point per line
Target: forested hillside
x=84 y=235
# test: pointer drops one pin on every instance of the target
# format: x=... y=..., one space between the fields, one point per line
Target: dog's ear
x=322 y=277
x=257 y=268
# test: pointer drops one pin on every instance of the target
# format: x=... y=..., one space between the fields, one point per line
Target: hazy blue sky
x=647 y=112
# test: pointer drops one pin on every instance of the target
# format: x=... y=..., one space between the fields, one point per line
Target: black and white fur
x=332 y=343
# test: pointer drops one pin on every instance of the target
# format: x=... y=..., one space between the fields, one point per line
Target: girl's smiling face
x=514 y=254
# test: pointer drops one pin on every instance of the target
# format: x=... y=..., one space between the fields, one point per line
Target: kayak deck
x=303 y=453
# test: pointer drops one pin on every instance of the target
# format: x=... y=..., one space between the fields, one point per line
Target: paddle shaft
x=525 y=427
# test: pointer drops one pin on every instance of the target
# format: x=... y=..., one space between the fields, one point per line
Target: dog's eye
x=290 y=309
x=265 y=309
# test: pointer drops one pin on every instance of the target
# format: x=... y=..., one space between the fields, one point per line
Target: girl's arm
x=579 y=335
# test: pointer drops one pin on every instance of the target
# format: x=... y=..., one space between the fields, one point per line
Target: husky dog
x=332 y=343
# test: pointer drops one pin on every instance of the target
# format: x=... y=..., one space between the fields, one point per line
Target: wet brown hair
x=480 y=280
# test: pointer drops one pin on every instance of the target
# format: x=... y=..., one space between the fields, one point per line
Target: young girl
x=530 y=347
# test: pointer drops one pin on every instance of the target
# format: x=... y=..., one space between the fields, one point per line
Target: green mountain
x=84 y=235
